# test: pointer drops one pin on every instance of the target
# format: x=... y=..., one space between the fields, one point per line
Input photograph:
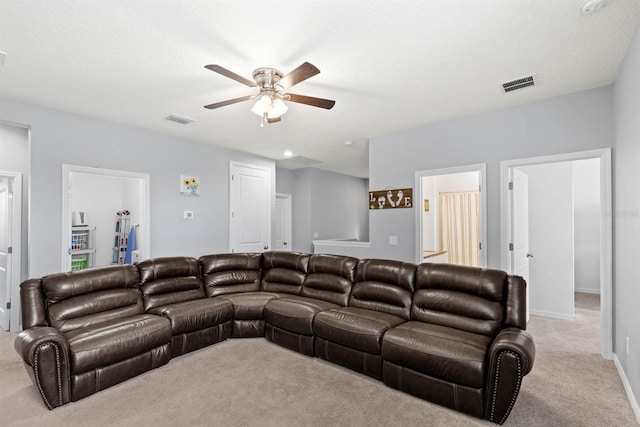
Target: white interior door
x=282 y=238
x=5 y=243
x=250 y=206
x=520 y=227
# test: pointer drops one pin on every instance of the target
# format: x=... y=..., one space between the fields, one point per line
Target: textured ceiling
x=390 y=65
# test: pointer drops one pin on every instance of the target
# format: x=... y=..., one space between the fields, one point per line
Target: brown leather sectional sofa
x=449 y=334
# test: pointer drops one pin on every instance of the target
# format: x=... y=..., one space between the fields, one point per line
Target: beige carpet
x=250 y=382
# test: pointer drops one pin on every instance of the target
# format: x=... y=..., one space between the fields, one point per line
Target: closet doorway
x=91 y=200
x=556 y=254
x=451 y=215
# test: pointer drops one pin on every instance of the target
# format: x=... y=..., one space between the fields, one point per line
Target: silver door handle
x=529 y=255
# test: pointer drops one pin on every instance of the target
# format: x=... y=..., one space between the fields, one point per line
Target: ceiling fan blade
x=303 y=72
x=310 y=100
x=221 y=70
x=228 y=102
x=274 y=120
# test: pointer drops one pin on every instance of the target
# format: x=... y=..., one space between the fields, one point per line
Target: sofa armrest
x=511 y=357
x=45 y=353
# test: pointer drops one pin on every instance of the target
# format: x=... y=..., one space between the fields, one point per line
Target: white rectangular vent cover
x=179 y=119
x=518 y=84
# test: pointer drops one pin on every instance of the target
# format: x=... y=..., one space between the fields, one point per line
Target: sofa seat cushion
x=438 y=351
x=194 y=315
x=116 y=340
x=354 y=327
x=249 y=305
x=295 y=313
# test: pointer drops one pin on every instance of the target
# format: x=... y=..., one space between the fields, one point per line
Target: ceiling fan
x=272 y=86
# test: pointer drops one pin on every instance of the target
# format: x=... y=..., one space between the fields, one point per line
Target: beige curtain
x=460 y=226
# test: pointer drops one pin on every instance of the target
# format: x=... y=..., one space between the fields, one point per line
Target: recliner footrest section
x=360 y=361
x=87 y=383
x=297 y=342
x=455 y=396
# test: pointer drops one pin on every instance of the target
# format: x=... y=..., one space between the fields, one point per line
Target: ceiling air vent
x=179 y=119
x=518 y=84
x=297 y=162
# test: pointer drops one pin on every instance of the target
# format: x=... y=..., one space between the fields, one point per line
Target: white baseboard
x=627 y=387
x=552 y=315
x=587 y=291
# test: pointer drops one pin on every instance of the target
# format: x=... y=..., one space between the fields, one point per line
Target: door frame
x=606 y=230
x=15 y=263
x=288 y=232
x=478 y=167
x=145 y=217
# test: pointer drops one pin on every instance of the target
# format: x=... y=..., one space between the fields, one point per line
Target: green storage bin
x=78 y=264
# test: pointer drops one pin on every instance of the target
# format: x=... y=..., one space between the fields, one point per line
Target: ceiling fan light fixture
x=262 y=105
x=278 y=108
x=272 y=84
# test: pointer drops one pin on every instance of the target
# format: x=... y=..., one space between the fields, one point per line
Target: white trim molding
x=627 y=387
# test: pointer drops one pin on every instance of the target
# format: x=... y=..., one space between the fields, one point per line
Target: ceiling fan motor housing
x=267 y=78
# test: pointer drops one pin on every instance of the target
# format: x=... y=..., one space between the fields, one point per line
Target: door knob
x=529 y=255
x=266 y=247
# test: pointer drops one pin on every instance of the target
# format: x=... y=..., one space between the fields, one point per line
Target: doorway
x=90 y=205
x=451 y=215
x=555 y=186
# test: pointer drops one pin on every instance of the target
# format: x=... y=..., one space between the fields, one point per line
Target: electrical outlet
x=393 y=240
x=315 y=235
x=188 y=214
x=627 y=345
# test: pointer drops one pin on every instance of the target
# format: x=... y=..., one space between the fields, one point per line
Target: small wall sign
x=391 y=199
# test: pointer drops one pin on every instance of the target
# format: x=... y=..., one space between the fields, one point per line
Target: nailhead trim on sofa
x=495 y=388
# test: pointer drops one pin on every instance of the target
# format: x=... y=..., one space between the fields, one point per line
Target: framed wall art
x=189 y=185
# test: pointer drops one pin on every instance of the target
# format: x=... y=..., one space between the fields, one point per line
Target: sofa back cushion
x=170 y=280
x=330 y=278
x=466 y=298
x=231 y=273
x=284 y=271
x=384 y=285
x=83 y=298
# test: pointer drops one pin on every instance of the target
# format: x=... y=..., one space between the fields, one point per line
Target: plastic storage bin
x=78 y=264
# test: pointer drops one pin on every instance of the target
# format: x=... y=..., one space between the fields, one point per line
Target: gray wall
x=58 y=138
x=339 y=206
x=576 y=122
x=586 y=211
x=284 y=181
x=330 y=204
x=14 y=157
x=626 y=205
